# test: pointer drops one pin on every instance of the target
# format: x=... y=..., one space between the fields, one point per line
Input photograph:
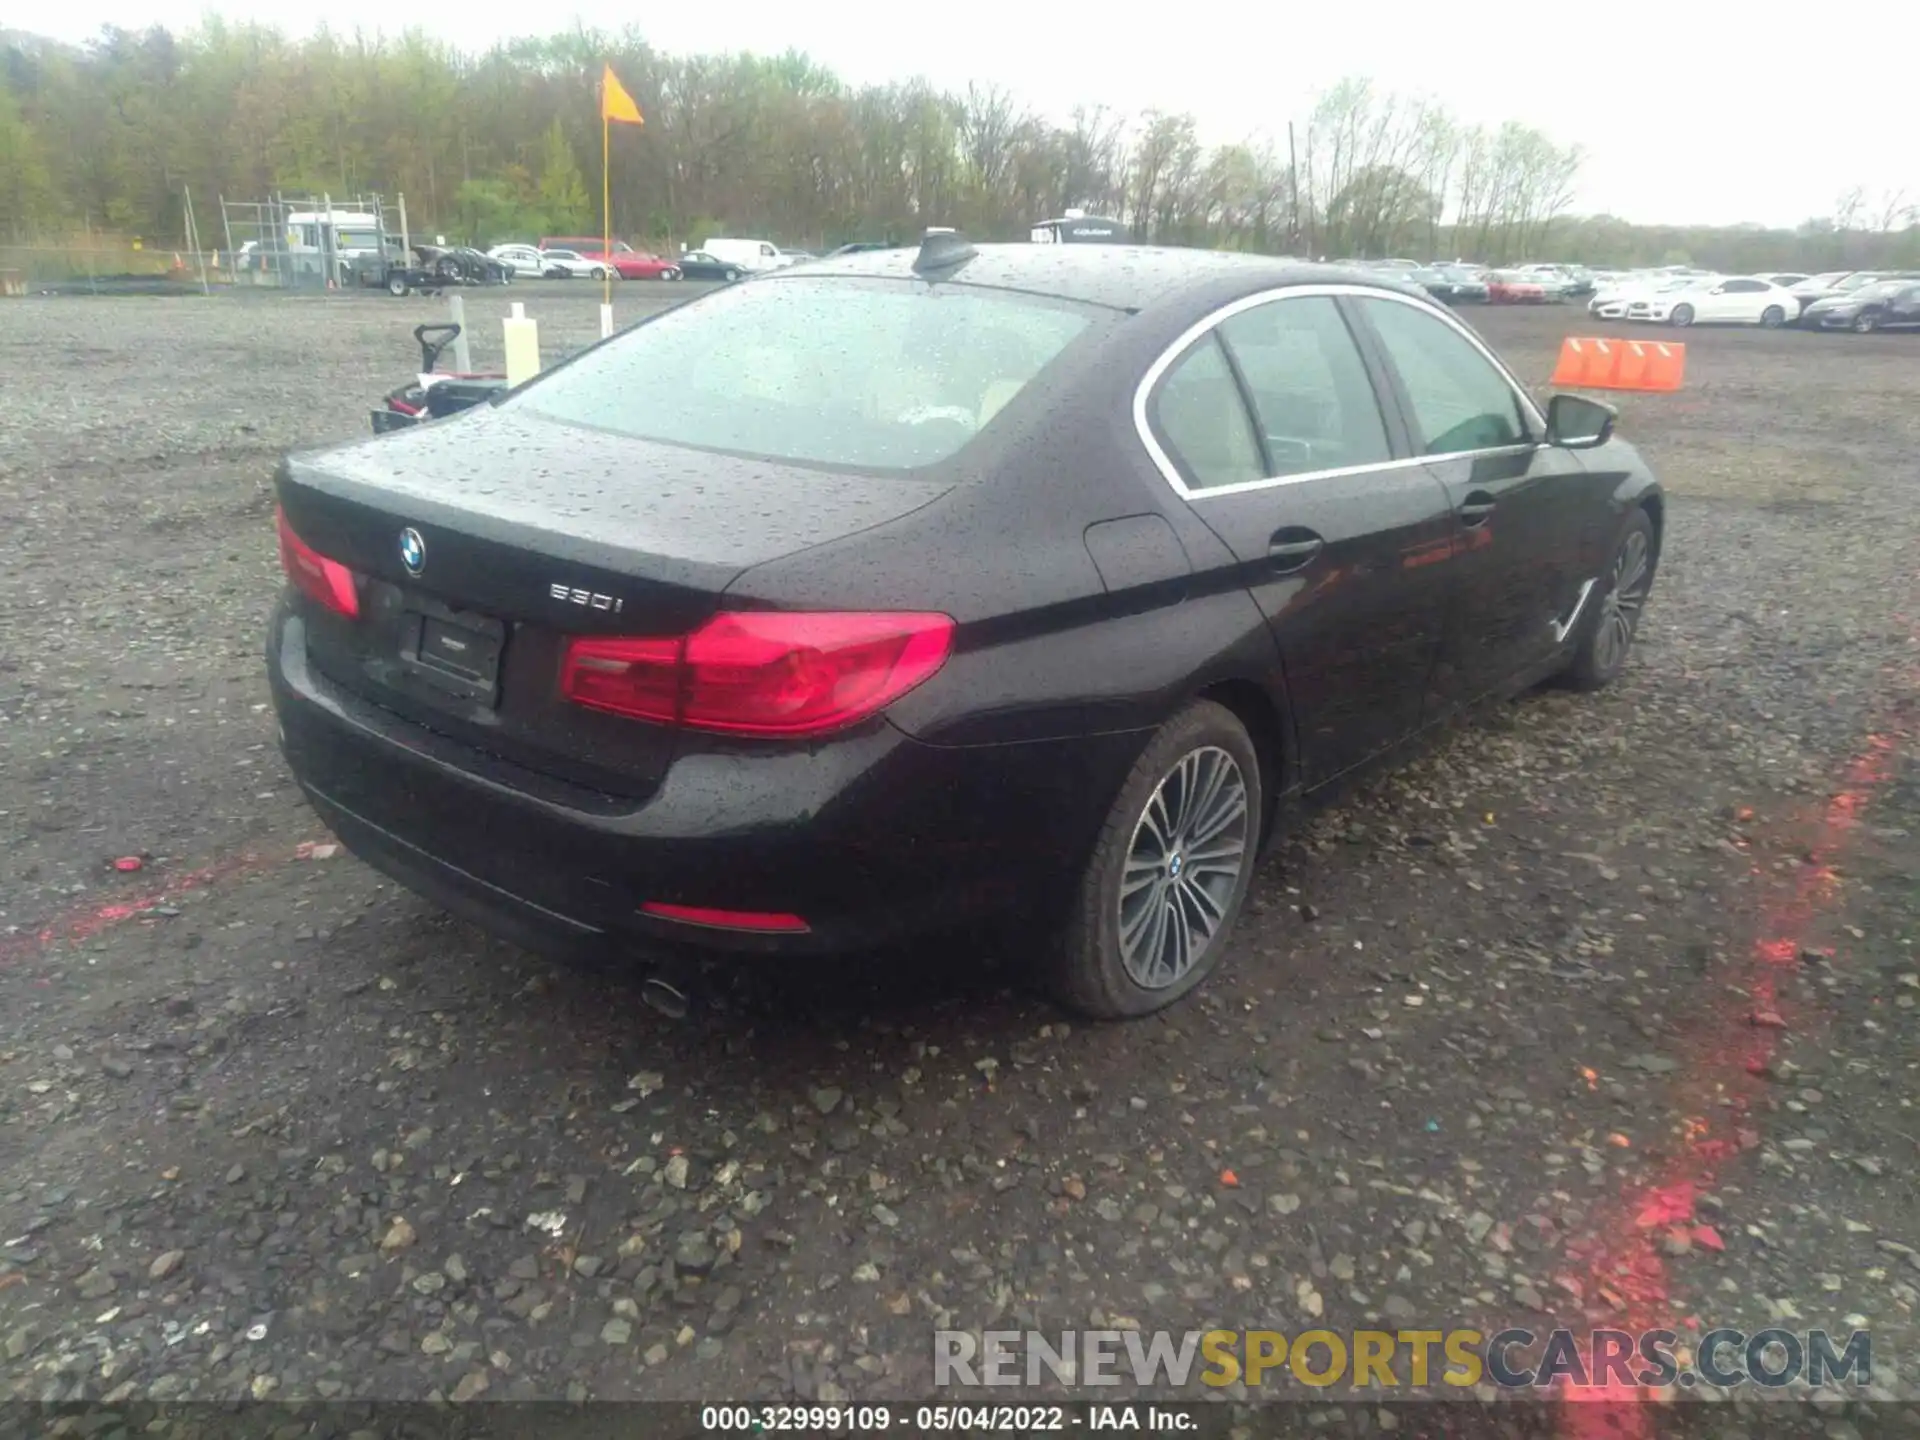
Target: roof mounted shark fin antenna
x=942 y=249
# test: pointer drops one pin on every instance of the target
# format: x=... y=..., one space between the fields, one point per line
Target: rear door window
x=1201 y=420
x=1311 y=393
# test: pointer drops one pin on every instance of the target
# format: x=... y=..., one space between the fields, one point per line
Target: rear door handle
x=1476 y=508
x=1293 y=548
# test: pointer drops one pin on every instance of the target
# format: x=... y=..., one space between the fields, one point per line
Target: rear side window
x=867 y=374
x=1461 y=401
x=1311 y=394
x=1203 y=422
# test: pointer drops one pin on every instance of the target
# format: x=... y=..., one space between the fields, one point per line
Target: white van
x=343 y=236
x=749 y=255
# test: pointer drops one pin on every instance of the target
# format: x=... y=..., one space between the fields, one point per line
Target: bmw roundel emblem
x=413 y=551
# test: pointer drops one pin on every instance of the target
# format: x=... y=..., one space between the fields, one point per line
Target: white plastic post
x=606 y=321
x=462 y=357
x=522 y=338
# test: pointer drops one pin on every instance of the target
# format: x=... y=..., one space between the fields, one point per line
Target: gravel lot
x=1600 y=1013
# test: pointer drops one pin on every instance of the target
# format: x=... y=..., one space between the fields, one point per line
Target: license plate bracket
x=454 y=650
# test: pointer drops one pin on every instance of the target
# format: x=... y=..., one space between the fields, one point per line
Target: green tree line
x=505 y=145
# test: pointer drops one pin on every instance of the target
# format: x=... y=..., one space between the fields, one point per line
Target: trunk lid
x=525 y=532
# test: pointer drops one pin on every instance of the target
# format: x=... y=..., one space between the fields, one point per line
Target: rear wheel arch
x=1266 y=724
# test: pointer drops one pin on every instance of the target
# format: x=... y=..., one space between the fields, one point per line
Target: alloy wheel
x=1620 y=612
x=1189 y=847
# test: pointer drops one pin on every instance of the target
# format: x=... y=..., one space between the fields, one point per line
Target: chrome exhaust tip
x=665 y=997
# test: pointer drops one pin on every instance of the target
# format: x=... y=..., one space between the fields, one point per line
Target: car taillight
x=636 y=678
x=762 y=673
x=325 y=581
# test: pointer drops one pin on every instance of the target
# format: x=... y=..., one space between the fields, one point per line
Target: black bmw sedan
x=920 y=587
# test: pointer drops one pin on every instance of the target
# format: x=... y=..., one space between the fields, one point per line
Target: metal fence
x=102 y=264
x=310 y=241
x=303 y=242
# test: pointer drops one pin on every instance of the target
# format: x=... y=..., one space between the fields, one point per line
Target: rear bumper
x=869 y=838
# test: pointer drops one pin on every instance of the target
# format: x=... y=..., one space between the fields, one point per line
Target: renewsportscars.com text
x=1723 y=1359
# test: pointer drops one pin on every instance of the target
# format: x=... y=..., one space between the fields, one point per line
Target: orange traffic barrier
x=1647 y=365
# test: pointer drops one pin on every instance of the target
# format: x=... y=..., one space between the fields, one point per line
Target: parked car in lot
x=639 y=265
x=571 y=265
x=1821 y=287
x=780 y=624
x=1453 y=284
x=699 y=265
x=524 y=260
x=1514 y=287
x=749 y=257
x=1613 y=301
x=1469 y=284
x=1882 y=305
x=1560 y=281
x=1733 y=300
x=622 y=259
x=1409 y=275
x=465 y=264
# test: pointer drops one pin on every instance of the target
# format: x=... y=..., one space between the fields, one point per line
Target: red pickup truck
x=628 y=263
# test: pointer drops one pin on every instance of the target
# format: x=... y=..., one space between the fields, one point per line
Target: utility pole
x=1313 y=248
x=1293 y=174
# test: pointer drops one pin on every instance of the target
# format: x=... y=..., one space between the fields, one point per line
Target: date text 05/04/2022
x=924 y=1419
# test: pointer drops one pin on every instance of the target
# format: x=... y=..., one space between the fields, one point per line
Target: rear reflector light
x=759 y=920
x=636 y=678
x=763 y=673
x=325 y=581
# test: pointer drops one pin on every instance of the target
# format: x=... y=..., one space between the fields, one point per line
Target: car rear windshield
x=860 y=373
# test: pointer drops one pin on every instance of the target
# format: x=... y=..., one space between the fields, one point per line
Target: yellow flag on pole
x=615 y=103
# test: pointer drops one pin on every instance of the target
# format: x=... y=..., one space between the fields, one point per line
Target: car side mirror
x=1576 y=423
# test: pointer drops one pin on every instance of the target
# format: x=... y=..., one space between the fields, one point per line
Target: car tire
x=1681 y=317
x=1773 y=317
x=1606 y=637
x=673 y=275
x=730 y=275
x=1865 y=324
x=599 y=273
x=397 y=286
x=1114 y=959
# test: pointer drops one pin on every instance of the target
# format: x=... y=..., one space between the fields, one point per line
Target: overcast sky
x=1685 y=117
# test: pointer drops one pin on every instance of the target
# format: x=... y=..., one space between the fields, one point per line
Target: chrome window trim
x=1170 y=472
